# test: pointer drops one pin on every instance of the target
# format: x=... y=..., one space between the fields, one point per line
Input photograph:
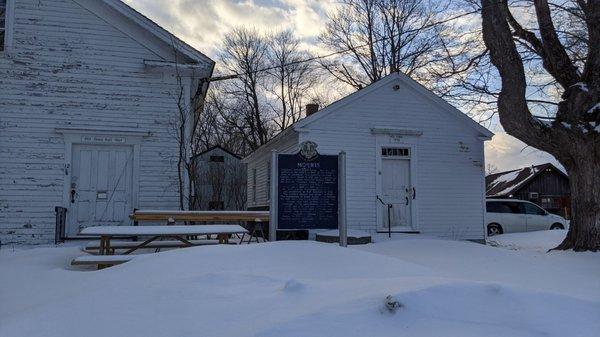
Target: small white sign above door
x=102 y=139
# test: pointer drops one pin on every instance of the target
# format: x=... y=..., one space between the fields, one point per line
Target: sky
x=204 y=23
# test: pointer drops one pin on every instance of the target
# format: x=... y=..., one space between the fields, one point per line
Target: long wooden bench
x=101 y=260
x=95 y=245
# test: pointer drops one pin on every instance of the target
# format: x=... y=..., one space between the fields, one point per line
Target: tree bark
x=584 y=180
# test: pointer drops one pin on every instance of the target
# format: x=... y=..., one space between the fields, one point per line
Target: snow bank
x=295 y=289
x=535 y=270
x=540 y=241
x=454 y=309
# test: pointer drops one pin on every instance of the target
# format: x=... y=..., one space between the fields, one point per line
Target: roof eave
x=158 y=31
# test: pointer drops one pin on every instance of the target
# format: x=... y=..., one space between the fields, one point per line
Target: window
x=254 y=185
x=269 y=180
x=3 y=19
x=504 y=207
x=533 y=209
x=217 y=159
x=395 y=152
x=551 y=202
x=215 y=205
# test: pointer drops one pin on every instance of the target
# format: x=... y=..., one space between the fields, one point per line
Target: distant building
x=220 y=180
x=544 y=185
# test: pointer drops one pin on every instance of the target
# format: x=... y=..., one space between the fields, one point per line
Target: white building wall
x=260 y=161
x=449 y=185
x=69 y=68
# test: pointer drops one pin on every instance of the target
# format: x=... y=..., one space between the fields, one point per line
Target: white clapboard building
x=406 y=147
x=88 y=109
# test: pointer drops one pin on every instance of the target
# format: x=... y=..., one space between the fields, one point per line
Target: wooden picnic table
x=200 y=216
x=180 y=233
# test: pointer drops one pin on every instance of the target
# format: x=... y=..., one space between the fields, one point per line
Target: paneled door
x=101 y=186
x=396 y=187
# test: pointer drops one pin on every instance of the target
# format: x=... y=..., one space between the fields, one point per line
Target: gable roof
x=509 y=182
x=406 y=80
x=214 y=147
x=157 y=30
x=140 y=28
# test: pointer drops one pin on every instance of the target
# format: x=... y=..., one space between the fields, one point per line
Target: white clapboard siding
x=71 y=68
x=260 y=160
x=449 y=181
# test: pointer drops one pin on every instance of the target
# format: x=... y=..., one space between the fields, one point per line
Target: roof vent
x=311 y=109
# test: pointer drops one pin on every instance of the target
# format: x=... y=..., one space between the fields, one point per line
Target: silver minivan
x=511 y=215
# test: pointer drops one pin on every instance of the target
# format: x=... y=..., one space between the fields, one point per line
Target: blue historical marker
x=307 y=190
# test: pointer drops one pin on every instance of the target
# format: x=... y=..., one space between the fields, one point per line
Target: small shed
x=407 y=150
x=220 y=180
x=545 y=185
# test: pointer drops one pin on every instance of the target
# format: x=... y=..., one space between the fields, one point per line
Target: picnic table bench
x=101 y=260
x=178 y=233
x=94 y=246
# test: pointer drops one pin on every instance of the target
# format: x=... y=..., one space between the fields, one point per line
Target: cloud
x=507 y=153
x=203 y=24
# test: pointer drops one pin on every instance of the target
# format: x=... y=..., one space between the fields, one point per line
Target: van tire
x=494 y=229
x=557 y=226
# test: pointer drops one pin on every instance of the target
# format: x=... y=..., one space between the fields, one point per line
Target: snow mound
x=540 y=241
x=455 y=309
x=292 y=286
x=302 y=288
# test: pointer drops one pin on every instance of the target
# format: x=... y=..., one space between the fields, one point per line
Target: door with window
x=396 y=188
x=101 y=186
x=537 y=219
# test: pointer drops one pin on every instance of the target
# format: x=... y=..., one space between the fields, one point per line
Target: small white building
x=88 y=109
x=406 y=147
x=220 y=180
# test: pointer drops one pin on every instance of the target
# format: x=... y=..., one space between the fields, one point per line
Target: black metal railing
x=61 y=220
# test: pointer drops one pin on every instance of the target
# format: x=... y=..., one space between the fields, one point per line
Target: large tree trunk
x=573 y=137
x=584 y=179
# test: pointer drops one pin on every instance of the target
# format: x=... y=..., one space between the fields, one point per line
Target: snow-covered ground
x=445 y=288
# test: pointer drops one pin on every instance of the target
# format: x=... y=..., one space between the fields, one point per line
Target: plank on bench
x=95 y=245
x=101 y=259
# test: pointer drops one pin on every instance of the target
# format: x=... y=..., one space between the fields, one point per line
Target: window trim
x=8 y=27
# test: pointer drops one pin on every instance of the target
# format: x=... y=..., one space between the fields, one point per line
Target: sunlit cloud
x=203 y=24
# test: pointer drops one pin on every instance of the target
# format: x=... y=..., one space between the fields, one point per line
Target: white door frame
x=413 y=181
x=98 y=136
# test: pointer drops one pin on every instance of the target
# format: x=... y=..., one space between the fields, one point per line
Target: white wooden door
x=397 y=191
x=101 y=186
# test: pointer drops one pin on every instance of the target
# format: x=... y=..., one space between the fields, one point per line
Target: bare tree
x=290 y=78
x=245 y=53
x=491 y=169
x=570 y=60
x=378 y=37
